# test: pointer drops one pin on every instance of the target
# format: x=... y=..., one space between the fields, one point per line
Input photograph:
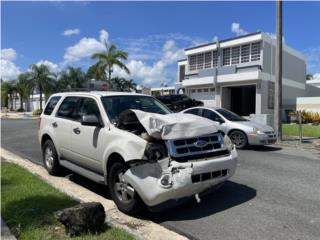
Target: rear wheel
x=50 y=158
x=122 y=193
x=239 y=139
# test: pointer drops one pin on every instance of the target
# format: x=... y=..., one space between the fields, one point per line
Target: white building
x=239 y=73
x=161 y=91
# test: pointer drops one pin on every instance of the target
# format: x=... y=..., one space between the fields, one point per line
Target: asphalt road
x=275 y=193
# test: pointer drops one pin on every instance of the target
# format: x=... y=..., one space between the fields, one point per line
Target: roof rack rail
x=76 y=90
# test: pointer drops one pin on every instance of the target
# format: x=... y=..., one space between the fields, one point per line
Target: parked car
x=241 y=131
x=146 y=154
x=179 y=102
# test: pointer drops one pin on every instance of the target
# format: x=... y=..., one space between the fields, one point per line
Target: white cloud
x=104 y=36
x=316 y=76
x=8 y=54
x=70 y=32
x=235 y=28
x=85 y=48
x=215 y=38
x=8 y=69
x=52 y=66
x=153 y=74
x=313 y=59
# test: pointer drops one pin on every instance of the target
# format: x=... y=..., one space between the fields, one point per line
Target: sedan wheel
x=239 y=139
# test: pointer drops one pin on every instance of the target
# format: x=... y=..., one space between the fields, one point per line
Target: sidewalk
x=17 y=115
x=307 y=142
x=5 y=231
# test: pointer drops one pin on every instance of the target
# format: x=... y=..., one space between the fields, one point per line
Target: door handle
x=76 y=131
x=55 y=125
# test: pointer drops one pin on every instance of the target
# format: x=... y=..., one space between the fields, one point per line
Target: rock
x=82 y=218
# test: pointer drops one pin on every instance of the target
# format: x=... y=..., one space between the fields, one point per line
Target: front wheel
x=122 y=193
x=239 y=139
x=50 y=158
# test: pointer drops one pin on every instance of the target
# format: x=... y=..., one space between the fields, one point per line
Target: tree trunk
x=28 y=104
x=21 y=102
x=11 y=102
x=40 y=93
x=15 y=101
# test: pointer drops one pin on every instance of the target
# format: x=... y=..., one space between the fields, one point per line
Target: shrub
x=307 y=117
x=36 y=112
x=20 y=110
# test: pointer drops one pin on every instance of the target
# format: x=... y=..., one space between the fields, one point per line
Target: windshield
x=115 y=105
x=231 y=116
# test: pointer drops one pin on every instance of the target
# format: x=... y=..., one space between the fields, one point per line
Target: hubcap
x=237 y=139
x=124 y=191
x=48 y=156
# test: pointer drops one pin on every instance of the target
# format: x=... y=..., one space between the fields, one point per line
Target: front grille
x=208 y=175
x=271 y=134
x=197 y=147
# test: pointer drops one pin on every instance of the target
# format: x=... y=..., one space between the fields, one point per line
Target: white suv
x=135 y=145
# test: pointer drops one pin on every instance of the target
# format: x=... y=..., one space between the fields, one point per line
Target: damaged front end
x=184 y=155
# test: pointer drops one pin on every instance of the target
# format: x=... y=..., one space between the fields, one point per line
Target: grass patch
x=307 y=130
x=28 y=204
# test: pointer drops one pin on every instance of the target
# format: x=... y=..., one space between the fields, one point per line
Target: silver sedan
x=241 y=131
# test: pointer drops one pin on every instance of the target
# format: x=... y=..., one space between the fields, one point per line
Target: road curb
x=141 y=229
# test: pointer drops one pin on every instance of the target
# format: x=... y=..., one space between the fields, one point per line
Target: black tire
x=52 y=164
x=239 y=139
x=129 y=203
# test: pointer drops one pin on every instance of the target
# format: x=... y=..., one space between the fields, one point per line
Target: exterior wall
x=311 y=104
x=257 y=72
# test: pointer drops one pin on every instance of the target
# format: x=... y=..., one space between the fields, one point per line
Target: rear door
x=62 y=124
x=88 y=142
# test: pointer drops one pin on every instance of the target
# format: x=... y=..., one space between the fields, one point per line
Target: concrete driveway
x=273 y=195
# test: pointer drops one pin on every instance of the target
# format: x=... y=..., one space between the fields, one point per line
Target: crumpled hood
x=263 y=127
x=174 y=125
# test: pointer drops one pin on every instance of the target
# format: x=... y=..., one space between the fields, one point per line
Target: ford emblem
x=200 y=143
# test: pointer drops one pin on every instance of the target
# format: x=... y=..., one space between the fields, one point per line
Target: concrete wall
x=311 y=104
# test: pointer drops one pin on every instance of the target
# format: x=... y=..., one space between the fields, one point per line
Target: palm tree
x=122 y=84
x=109 y=58
x=41 y=78
x=8 y=89
x=96 y=73
x=72 y=77
x=309 y=77
x=24 y=88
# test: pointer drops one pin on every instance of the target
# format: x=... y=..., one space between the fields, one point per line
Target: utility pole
x=278 y=73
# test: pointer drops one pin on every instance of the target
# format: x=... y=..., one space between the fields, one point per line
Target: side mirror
x=90 y=120
x=220 y=120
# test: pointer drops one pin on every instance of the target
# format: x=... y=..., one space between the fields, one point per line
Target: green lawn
x=28 y=204
x=307 y=130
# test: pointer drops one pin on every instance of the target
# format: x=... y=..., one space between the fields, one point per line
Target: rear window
x=51 y=105
x=68 y=107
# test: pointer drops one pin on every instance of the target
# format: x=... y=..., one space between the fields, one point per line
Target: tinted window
x=231 y=116
x=88 y=106
x=51 y=105
x=211 y=115
x=194 y=111
x=68 y=107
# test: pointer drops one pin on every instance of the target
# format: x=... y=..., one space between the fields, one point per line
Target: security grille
x=245 y=53
x=193 y=62
x=200 y=60
x=215 y=58
x=226 y=56
x=207 y=60
x=235 y=55
x=255 y=51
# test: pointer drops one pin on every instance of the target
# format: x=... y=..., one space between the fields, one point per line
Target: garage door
x=206 y=95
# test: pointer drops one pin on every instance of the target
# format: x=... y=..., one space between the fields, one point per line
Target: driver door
x=88 y=142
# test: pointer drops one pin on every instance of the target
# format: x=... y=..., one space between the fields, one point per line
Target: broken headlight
x=228 y=143
x=155 y=152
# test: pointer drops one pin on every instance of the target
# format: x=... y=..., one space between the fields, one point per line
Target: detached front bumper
x=156 y=183
x=262 y=139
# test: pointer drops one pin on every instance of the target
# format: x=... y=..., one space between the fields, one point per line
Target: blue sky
x=153 y=33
